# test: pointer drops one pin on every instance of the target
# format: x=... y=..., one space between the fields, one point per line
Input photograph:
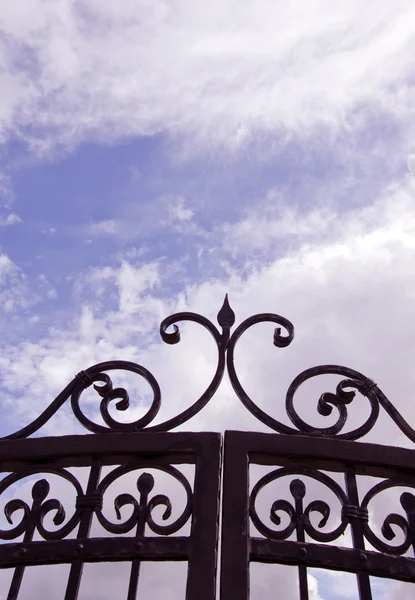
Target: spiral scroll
x=32 y=518
x=344 y=394
x=406 y=525
x=225 y=341
x=142 y=509
x=299 y=516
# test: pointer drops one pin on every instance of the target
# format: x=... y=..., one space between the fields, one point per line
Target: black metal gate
x=299 y=529
x=300 y=542
x=72 y=543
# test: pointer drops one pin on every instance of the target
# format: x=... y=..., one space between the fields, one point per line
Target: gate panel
x=307 y=541
x=140 y=537
x=300 y=452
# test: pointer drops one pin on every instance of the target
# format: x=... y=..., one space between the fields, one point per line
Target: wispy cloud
x=218 y=72
x=10 y=219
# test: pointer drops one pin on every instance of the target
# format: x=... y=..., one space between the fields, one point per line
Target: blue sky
x=95 y=206
x=156 y=155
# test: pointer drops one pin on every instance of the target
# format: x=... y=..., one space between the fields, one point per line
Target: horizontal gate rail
x=328 y=557
x=80 y=450
x=94 y=550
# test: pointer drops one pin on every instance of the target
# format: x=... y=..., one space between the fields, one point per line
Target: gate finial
x=226 y=316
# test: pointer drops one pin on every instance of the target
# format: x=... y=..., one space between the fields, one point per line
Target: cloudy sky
x=155 y=155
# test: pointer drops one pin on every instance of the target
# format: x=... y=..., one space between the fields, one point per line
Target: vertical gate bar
x=140 y=532
x=298 y=491
x=28 y=537
x=134 y=575
x=234 y=582
x=16 y=583
x=19 y=571
x=363 y=580
x=303 y=581
x=201 y=578
x=302 y=569
x=75 y=573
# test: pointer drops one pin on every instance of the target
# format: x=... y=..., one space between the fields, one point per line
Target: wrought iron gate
x=301 y=542
x=73 y=543
x=289 y=533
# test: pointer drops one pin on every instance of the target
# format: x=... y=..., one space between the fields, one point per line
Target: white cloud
x=262 y=231
x=274 y=221
x=400 y=591
x=13 y=292
x=138 y=220
x=6 y=190
x=353 y=292
x=218 y=72
x=266 y=578
x=108 y=227
x=411 y=163
x=338 y=585
x=11 y=219
x=179 y=212
x=313 y=588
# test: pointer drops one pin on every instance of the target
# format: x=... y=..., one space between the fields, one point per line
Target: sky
x=156 y=155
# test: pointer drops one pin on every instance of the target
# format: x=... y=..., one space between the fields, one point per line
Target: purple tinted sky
x=157 y=154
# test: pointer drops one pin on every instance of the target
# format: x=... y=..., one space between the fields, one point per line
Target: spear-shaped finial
x=226 y=316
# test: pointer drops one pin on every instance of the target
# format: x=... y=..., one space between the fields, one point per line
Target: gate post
x=235 y=522
x=202 y=564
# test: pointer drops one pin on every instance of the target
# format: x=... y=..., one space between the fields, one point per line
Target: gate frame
x=241 y=449
x=199 y=549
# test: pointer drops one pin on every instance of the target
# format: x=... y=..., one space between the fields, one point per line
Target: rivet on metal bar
x=93 y=501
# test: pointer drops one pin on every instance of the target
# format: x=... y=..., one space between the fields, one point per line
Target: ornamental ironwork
x=297 y=527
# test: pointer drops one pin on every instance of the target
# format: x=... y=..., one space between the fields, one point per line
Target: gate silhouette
x=296 y=531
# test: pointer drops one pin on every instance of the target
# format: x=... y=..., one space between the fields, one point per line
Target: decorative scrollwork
x=281 y=341
x=406 y=525
x=108 y=394
x=343 y=396
x=33 y=516
x=98 y=377
x=299 y=516
x=225 y=318
x=142 y=509
x=345 y=393
x=97 y=374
